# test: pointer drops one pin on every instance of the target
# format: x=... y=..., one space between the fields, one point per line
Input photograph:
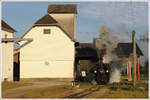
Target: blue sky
x=120 y=17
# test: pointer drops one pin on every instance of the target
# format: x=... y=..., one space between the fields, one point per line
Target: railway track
x=83 y=93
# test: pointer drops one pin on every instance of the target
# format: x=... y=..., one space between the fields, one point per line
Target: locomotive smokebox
x=99 y=73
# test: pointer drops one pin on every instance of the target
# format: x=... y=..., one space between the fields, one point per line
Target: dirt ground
x=55 y=89
x=36 y=85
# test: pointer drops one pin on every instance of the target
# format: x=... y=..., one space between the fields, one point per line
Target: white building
x=51 y=54
x=7 y=52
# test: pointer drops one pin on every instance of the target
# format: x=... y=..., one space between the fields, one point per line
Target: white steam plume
x=108 y=41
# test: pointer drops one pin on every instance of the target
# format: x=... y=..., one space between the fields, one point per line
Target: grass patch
x=142 y=77
x=127 y=90
x=123 y=77
x=127 y=94
x=10 y=85
x=128 y=86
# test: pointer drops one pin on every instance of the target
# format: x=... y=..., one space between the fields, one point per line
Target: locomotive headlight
x=95 y=71
x=107 y=71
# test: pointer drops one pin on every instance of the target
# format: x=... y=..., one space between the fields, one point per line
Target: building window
x=5 y=35
x=46 y=63
x=47 y=31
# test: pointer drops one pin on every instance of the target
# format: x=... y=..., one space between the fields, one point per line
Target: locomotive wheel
x=105 y=79
x=90 y=77
x=99 y=79
x=102 y=79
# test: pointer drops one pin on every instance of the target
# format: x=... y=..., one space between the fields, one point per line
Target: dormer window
x=47 y=31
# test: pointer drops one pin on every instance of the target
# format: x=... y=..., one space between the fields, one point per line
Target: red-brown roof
x=7 y=27
x=62 y=8
x=47 y=19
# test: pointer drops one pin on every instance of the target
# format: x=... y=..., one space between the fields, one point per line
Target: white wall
x=48 y=55
x=7 y=57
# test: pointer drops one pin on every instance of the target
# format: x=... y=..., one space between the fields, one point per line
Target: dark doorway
x=16 y=68
x=16 y=71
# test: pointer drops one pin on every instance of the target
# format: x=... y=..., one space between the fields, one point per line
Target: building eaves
x=5 y=26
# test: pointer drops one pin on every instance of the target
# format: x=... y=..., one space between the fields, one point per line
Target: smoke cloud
x=106 y=44
x=115 y=75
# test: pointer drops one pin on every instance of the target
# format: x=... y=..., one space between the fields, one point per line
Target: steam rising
x=106 y=45
x=115 y=75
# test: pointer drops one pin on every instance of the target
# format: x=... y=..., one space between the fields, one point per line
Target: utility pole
x=134 y=56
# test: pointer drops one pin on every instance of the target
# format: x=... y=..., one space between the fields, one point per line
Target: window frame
x=46 y=31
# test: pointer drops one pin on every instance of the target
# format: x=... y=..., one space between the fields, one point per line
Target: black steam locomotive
x=99 y=73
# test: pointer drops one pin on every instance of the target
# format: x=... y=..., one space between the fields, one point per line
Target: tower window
x=47 y=31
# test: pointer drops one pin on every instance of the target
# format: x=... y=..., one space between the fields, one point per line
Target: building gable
x=6 y=27
x=47 y=20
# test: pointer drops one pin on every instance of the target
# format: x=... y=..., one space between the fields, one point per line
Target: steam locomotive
x=99 y=73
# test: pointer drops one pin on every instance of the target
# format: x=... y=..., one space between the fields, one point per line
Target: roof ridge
x=46 y=19
x=62 y=8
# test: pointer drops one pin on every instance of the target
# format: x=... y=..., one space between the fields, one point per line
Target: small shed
x=126 y=50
